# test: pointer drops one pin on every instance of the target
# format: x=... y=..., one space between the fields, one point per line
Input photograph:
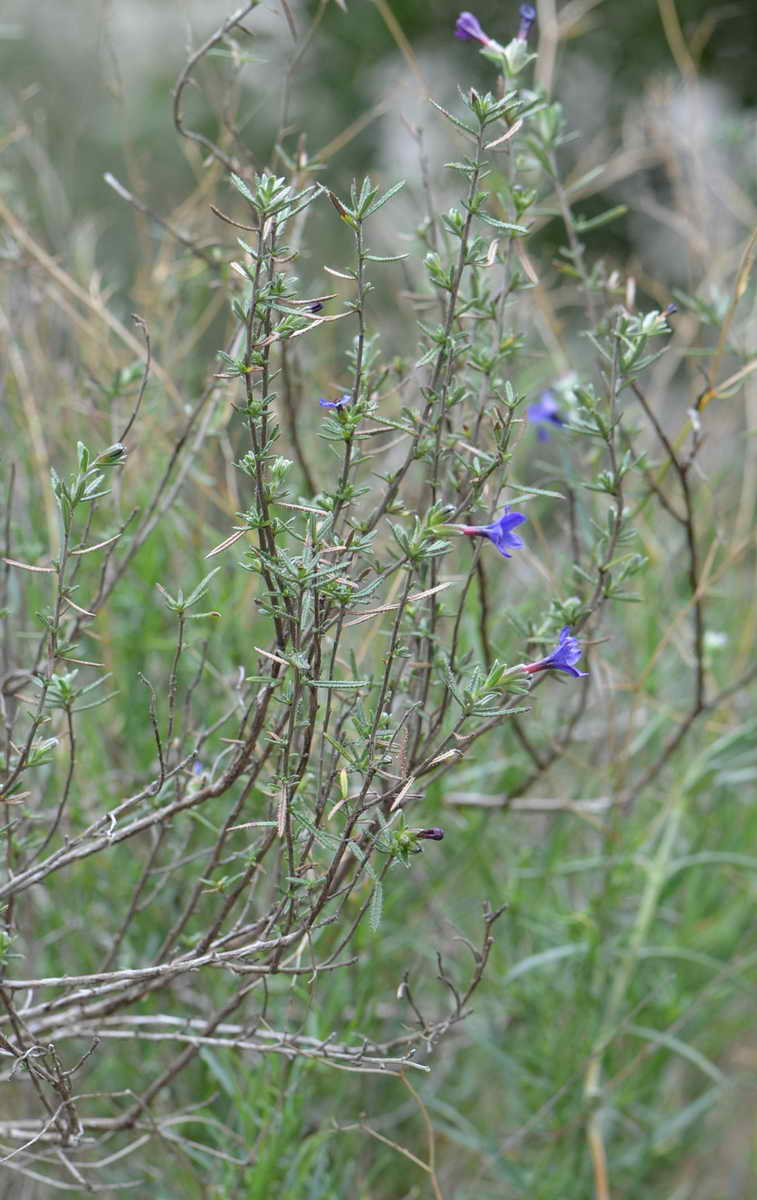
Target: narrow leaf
x=376 y=907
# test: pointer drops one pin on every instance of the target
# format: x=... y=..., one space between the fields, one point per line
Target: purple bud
x=434 y=834
x=468 y=29
x=315 y=306
x=527 y=14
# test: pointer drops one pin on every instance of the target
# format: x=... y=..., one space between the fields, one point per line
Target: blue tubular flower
x=527 y=14
x=468 y=29
x=499 y=531
x=336 y=403
x=545 y=410
x=563 y=658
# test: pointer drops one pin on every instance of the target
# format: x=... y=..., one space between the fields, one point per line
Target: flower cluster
x=513 y=57
x=568 y=650
x=500 y=533
x=468 y=28
x=543 y=413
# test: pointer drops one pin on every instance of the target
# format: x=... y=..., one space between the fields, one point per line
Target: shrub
x=281 y=682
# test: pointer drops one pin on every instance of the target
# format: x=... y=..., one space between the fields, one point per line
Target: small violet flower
x=563 y=658
x=435 y=834
x=315 y=306
x=527 y=14
x=545 y=410
x=345 y=399
x=499 y=532
x=468 y=29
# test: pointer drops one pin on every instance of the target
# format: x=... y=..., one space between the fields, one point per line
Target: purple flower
x=527 y=14
x=468 y=29
x=545 y=410
x=499 y=531
x=435 y=834
x=315 y=306
x=563 y=658
x=336 y=403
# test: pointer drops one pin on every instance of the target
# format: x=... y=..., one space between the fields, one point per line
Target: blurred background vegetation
x=89 y=83
x=664 y=95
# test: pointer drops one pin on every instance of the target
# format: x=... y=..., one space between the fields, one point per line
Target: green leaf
x=534 y=491
x=505 y=225
x=584 y=224
x=467 y=168
x=201 y=589
x=376 y=907
x=242 y=187
x=377 y=204
x=456 y=121
x=340 y=684
x=660 y=1038
x=544 y=959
